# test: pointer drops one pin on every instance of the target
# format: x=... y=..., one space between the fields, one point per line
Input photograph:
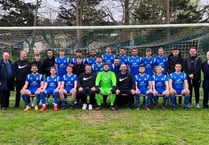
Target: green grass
x=104 y=127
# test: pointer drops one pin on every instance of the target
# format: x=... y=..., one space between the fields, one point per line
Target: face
x=193 y=52
x=159 y=69
x=123 y=68
x=178 y=67
x=148 y=53
x=23 y=55
x=122 y=52
x=62 y=53
x=160 y=52
x=99 y=60
x=134 y=52
x=78 y=54
x=34 y=69
x=49 y=54
x=69 y=70
x=142 y=70
x=108 y=50
x=88 y=69
x=106 y=68
x=207 y=55
x=116 y=61
x=93 y=53
x=37 y=57
x=175 y=52
x=53 y=71
x=6 y=56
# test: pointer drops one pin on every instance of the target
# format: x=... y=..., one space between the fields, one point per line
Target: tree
x=16 y=13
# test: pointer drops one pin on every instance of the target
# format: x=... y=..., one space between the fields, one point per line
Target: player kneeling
x=51 y=87
x=68 y=87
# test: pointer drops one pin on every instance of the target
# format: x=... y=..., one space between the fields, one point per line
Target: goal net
x=71 y=38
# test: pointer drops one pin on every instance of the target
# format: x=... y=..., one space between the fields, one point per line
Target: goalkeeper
x=105 y=85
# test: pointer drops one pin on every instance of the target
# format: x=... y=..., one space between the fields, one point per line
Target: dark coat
x=6 y=83
x=47 y=64
x=170 y=65
x=193 y=65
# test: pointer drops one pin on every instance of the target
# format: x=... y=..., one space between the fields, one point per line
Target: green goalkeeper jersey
x=106 y=79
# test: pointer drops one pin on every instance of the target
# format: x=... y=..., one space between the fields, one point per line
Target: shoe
x=186 y=108
x=130 y=108
x=84 y=106
x=112 y=108
x=138 y=108
x=163 y=107
x=63 y=108
x=173 y=108
x=27 y=108
x=43 y=108
x=147 y=108
x=190 y=105
x=198 y=106
x=90 y=107
x=32 y=103
x=98 y=108
x=56 y=108
x=36 y=107
x=3 y=108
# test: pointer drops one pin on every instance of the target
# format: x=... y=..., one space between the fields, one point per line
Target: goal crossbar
x=105 y=27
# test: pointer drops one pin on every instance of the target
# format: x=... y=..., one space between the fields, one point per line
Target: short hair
x=34 y=65
x=148 y=49
x=106 y=64
x=78 y=51
x=70 y=65
x=53 y=67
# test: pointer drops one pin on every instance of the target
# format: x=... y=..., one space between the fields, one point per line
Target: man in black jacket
x=6 y=80
x=21 y=69
x=205 y=69
x=125 y=88
x=48 y=62
x=192 y=68
x=79 y=66
x=86 y=86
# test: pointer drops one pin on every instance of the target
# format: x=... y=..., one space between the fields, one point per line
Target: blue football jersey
x=178 y=80
x=97 y=68
x=74 y=60
x=108 y=58
x=91 y=60
x=115 y=69
x=52 y=81
x=69 y=80
x=160 y=81
x=143 y=82
x=149 y=64
x=62 y=64
x=162 y=62
x=34 y=80
x=123 y=59
x=134 y=63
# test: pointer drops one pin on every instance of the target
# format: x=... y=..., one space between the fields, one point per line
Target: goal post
x=41 y=38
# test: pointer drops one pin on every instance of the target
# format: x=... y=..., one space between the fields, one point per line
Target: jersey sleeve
x=98 y=78
x=114 y=80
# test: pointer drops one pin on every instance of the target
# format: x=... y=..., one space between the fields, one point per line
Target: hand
x=80 y=89
x=117 y=91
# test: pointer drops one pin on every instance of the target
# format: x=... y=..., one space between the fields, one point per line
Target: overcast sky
x=50 y=8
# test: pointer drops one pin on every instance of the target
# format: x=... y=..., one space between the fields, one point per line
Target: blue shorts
x=32 y=90
x=68 y=89
x=50 y=91
x=143 y=91
x=160 y=91
x=178 y=91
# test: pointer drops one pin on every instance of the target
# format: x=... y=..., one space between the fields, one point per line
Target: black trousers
x=83 y=96
x=4 y=97
x=19 y=86
x=196 y=85
x=122 y=99
x=206 y=93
